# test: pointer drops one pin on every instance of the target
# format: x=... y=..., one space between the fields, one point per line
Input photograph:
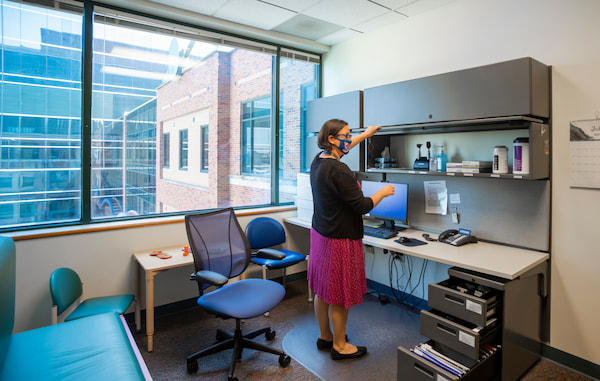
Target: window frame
x=183 y=149
x=204 y=147
x=166 y=146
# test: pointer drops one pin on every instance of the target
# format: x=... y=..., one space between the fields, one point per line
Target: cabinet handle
x=423 y=370
x=446 y=329
x=454 y=299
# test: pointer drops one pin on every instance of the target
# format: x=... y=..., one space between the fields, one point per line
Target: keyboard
x=380 y=232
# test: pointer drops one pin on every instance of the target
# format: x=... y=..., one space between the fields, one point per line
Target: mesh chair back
x=218 y=243
x=264 y=232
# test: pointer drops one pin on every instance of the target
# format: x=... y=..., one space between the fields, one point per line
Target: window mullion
x=86 y=113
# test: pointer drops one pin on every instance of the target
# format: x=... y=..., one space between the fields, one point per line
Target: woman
x=336 y=270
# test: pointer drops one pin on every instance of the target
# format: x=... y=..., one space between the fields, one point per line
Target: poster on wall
x=585 y=153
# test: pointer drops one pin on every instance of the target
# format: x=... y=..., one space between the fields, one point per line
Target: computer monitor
x=392 y=208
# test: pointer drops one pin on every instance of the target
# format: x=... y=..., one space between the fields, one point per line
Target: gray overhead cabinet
x=517 y=87
x=510 y=98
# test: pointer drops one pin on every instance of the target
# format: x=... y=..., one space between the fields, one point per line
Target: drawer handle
x=454 y=299
x=446 y=329
x=423 y=370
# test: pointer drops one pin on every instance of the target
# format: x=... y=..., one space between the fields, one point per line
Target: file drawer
x=459 y=335
x=415 y=368
x=468 y=301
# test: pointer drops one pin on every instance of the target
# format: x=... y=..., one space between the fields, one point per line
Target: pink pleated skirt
x=336 y=270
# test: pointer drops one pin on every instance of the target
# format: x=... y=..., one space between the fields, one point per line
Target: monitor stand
x=390 y=224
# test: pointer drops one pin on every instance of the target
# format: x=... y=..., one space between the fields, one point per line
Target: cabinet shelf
x=408 y=171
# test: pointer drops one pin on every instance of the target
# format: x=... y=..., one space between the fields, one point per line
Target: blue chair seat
x=94 y=306
x=291 y=258
x=238 y=299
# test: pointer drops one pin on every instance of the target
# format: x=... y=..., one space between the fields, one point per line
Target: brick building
x=214 y=132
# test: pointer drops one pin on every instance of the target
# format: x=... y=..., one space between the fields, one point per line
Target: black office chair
x=221 y=252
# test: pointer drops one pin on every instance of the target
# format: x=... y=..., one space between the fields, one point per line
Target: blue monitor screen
x=390 y=208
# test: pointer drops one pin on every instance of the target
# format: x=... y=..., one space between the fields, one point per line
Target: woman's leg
x=322 y=314
x=339 y=317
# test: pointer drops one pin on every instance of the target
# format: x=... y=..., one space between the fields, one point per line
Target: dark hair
x=331 y=127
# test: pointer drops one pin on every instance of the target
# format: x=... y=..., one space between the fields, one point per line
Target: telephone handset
x=457 y=237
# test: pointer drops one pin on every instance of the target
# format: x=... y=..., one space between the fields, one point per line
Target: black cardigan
x=339 y=203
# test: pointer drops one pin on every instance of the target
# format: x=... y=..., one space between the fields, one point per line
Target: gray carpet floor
x=379 y=327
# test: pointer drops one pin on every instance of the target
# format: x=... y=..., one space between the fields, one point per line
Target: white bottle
x=433 y=162
x=500 y=162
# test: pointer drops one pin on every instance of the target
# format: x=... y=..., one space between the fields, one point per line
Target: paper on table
x=436 y=197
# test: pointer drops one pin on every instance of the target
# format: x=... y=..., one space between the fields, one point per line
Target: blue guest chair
x=221 y=252
x=66 y=289
x=264 y=233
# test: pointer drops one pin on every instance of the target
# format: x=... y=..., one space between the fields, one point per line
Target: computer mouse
x=403 y=239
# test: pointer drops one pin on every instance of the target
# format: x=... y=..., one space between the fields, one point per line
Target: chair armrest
x=210 y=277
x=269 y=254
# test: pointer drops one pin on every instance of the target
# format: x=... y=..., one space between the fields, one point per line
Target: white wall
x=469 y=33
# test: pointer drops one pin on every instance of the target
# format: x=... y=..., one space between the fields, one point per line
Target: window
x=155 y=93
x=204 y=148
x=40 y=115
x=256 y=137
x=183 y=149
x=166 y=150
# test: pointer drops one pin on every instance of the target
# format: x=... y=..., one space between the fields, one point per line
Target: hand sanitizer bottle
x=441 y=160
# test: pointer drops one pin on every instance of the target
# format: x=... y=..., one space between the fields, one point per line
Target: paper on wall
x=436 y=197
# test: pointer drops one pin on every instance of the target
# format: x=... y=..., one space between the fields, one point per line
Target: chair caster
x=192 y=366
x=220 y=336
x=284 y=360
x=270 y=335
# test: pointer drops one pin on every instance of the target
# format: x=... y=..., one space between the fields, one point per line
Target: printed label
x=474 y=307
x=465 y=338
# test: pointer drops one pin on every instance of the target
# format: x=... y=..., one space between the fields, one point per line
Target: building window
x=166 y=150
x=204 y=148
x=183 y=149
x=256 y=137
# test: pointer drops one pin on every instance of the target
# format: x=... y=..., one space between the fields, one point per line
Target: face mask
x=344 y=146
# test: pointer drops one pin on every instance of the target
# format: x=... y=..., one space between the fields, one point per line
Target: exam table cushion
x=94 y=348
x=94 y=306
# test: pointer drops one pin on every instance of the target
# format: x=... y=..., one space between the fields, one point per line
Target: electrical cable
x=394 y=274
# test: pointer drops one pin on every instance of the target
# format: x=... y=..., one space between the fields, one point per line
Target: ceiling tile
x=345 y=12
x=393 y=4
x=421 y=6
x=378 y=22
x=292 y=5
x=203 y=7
x=307 y=27
x=337 y=37
x=254 y=13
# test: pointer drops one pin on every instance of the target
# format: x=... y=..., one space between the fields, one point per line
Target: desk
x=488 y=258
x=152 y=265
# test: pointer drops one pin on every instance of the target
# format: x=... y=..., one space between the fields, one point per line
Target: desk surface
x=488 y=258
x=148 y=262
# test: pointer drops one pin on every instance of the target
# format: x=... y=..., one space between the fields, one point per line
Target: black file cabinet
x=471 y=311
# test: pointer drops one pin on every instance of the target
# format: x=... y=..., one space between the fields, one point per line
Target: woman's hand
x=371 y=130
x=387 y=190
x=384 y=192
